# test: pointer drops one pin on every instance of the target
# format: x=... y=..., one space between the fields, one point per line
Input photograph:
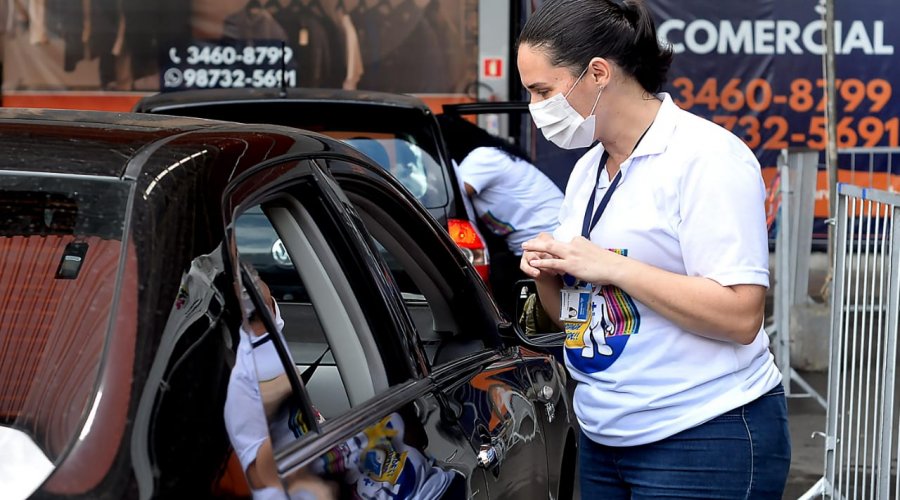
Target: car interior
x=331 y=326
x=429 y=298
x=343 y=378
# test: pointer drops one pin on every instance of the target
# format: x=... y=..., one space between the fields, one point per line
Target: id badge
x=575 y=304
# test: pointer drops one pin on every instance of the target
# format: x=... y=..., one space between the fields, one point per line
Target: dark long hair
x=572 y=32
x=462 y=136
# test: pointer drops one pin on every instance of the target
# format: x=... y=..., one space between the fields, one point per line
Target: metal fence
x=870 y=167
x=797 y=171
x=861 y=449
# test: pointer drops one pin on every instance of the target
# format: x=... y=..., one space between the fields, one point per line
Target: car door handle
x=488 y=456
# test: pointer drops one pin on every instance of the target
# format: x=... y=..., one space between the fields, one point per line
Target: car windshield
x=60 y=249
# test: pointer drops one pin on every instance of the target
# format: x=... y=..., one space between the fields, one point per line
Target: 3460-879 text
x=758 y=114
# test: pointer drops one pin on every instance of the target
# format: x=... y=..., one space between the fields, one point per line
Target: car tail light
x=466 y=237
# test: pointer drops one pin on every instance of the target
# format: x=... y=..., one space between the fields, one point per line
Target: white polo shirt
x=513 y=198
x=690 y=201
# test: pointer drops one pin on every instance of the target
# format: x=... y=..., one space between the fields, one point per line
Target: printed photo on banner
x=412 y=46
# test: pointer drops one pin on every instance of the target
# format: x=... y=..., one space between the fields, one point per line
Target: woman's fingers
x=546 y=246
x=526 y=267
x=550 y=264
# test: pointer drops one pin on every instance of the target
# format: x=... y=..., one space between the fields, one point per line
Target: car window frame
x=462 y=277
x=322 y=436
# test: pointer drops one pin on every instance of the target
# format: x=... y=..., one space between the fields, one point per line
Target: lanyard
x=590 y=222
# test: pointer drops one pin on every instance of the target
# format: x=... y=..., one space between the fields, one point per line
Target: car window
x=427 y=276
x=61 y=250
x=294 y=311
x=374 y=447
x=315 y=328
x=402 y=156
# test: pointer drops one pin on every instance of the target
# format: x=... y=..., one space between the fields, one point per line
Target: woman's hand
x=580 y=258
x=530 y=256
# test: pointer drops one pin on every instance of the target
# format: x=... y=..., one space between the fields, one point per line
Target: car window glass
x=293 y=311
x=61 y=250
x=422 y=278
x=405 y=159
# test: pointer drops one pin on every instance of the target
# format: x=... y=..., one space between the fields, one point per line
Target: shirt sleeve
x=483 y=167
x=722 y=228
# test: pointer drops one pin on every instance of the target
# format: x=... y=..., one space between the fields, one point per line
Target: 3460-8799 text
x=754 y=111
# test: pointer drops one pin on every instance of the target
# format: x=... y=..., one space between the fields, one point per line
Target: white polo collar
x=657 y=138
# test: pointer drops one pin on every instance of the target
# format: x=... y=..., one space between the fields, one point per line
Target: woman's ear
x=600 y=71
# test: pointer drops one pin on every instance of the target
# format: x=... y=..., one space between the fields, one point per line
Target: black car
x=143 y=355
x=399 y=132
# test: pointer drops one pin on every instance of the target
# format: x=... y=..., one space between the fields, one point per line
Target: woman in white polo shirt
x=658 y=270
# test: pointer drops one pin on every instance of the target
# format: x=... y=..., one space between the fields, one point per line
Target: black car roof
x=110 y=144
x=160 y=102
x=81 y=142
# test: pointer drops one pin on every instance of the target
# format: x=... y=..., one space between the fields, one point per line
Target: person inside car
x=376 y=463
x=256 y=413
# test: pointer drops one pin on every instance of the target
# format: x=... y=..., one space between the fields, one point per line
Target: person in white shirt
x=511 y=197
x=658 y=270
x=375 y=464
x=257 y=390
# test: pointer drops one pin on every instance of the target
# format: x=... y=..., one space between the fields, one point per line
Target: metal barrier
x=860 y=443
x=798 y=171
x=870 y=167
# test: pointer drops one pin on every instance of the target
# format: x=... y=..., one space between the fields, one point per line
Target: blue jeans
x=744 y=453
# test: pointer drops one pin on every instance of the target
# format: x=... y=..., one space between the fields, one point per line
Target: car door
x=511 y=121
x=331 y=393
x=486 y=379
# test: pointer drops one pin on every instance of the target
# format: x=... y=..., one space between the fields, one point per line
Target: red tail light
x=467 y=238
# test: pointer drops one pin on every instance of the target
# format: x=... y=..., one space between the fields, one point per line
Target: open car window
x=353 y=421
x=306 y=367
x=427 y=276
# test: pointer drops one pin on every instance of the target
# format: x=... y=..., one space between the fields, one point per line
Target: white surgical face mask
x=561 y=124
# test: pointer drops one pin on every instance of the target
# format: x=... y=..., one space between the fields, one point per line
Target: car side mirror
x=533 y=321
x=522 y=290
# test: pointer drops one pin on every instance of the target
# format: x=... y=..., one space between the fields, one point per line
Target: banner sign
x=71 y=53
x=756 y=68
